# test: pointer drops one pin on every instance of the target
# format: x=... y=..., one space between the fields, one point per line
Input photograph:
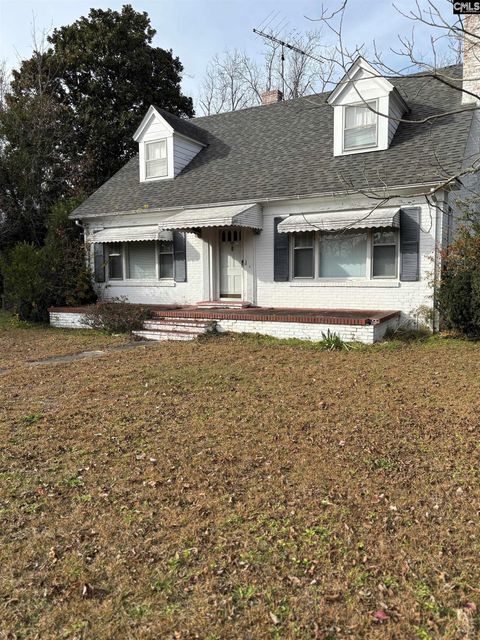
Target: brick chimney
x=270 y=97
x=471 y=58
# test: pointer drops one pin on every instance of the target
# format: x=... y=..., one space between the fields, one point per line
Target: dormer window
x=367 y=109
x=166 y=145
x=360 y=126
x=156 y=163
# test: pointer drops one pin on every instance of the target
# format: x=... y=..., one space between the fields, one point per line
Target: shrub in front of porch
x=116 y=316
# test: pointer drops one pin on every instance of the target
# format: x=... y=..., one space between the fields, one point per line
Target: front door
x=231 y=268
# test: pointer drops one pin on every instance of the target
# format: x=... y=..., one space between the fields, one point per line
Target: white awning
x=341 y=220
x=130 y=234
x=241 y=215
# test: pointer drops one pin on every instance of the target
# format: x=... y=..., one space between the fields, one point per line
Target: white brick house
x=310 y=204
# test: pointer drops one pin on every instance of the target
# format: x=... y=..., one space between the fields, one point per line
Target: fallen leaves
x=250 y=508
x=380 y=616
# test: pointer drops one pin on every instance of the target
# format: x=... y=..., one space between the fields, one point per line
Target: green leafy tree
x=67 y=121
x=23 y=270
x=35 y=137
x=67 y=275
x=56 y=274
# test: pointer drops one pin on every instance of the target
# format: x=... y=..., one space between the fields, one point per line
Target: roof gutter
x=322 y=194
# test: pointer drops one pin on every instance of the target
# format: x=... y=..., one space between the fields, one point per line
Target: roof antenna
x=283 y=44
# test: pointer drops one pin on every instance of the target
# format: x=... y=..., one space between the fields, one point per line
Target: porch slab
x=351 y=317
x=308 y=324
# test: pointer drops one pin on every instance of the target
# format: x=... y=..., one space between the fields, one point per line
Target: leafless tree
x=227 y=85
x=235 y=80
x=449 y=36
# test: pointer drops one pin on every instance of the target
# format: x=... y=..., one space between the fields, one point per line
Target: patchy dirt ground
x=232 y=489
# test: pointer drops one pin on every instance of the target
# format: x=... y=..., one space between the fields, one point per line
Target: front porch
x=170 y=322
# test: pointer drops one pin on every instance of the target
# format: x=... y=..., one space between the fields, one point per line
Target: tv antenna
x=284 y=45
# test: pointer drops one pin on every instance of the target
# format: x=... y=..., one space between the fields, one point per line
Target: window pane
x=360 y=137
x=385 y=237
x=156 y=159
x=166 y=265
x=166 y=246
x=115 y=266
x=304 y=239
x=303 y=263
x=156 y=168
x=343 y=255
x=384 y=261
x=360 y=116
x=141 y=261
x=156 y=150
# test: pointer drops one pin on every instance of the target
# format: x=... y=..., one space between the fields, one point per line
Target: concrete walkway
x=87 y=354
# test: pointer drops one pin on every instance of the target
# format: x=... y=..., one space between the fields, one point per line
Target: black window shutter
x=180 y=255
x=281 y=254
x=99 y=262
x=410 y=244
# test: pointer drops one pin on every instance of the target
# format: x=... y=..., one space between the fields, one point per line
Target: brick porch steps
x=174 y=322
x=174 y=328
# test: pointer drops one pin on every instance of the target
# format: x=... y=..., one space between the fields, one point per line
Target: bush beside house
x=459 y=292
x=56 y=274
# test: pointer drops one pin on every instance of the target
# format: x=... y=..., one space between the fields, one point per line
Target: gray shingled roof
x=286 y=149
x=183 y=126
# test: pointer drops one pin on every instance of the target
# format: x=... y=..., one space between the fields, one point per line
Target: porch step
x=164 y=335
x=188 y=325
x=174 y=328
x=224 y=304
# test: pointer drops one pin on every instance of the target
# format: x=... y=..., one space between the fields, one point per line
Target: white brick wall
x=260 y=288
x=300 y=330
x=303 y=331
x=386 y=295
x=67 y=320
x=165 y=293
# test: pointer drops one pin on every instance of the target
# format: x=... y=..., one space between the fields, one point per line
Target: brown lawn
x=235 y=488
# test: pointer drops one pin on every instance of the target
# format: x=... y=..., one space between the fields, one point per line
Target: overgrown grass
x=239 y=487
x=9 y=321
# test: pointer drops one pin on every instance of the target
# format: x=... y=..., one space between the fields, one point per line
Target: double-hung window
x=140 y=260
x=156 y=162
x=360 y=126
x=165 y=259
x=115 y=262
x=304 y=255
x=349 y=254
x=384 y=254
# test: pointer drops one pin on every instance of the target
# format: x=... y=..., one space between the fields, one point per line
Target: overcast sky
x=197 y=29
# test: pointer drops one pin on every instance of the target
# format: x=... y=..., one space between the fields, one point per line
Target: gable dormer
x=166 y=144
x=366 y=109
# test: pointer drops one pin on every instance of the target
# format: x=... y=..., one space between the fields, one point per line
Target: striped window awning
x=130 y=234
x=242 y=215
x=341 y=220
